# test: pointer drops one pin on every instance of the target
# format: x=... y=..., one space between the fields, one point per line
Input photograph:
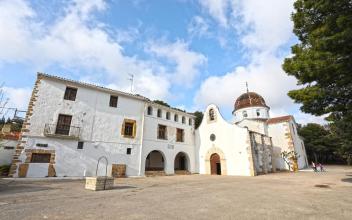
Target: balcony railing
x=64 y=131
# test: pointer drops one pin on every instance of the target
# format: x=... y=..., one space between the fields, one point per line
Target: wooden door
x=63 y=124
x=215 y=165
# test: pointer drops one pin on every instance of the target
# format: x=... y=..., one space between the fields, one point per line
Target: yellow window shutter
x=123 y=128
x=134 y=128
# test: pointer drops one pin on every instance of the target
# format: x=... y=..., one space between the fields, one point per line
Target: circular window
x=212 y=137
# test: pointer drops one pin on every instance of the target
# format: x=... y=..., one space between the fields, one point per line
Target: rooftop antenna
x=131 y=79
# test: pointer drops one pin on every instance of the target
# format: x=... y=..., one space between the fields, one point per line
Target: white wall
x=170 y=147
x=254 y=125
x=280 y=143
x=100 y=128
x=299 y=146
x=6 y=154
x=230 y=138
x=251 y=113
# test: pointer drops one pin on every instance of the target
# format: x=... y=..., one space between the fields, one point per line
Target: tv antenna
x=132 y=80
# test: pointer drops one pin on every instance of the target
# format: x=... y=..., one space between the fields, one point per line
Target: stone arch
x=181 y=162
x=218 y=151
x=155 y=161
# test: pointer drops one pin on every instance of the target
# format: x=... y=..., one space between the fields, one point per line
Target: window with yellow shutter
x=129 y=128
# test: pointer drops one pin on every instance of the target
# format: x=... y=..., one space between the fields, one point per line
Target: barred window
x=70 y=93
x=162 y=132
x=113 y=101
x=179 y=135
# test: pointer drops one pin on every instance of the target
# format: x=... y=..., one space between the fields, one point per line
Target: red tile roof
x=279 y=119
x=11 y=136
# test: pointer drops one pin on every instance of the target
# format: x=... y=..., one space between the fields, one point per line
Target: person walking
x=314 y=167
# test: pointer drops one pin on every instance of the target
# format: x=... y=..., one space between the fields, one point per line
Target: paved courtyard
x=302 y=195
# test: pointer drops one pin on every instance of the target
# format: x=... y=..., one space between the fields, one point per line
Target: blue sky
x=188 y=53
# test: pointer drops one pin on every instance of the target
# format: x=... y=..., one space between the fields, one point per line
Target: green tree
x=160 y=102
x=198 y=119
x=2 y=121
x=321 y=144
x=322 y=62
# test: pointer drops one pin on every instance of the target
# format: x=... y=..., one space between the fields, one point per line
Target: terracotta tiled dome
x=249 y=99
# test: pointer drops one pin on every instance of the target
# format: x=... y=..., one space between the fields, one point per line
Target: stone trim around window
x=134 y=128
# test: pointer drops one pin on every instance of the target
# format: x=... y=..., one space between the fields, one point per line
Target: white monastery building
x=79 y=129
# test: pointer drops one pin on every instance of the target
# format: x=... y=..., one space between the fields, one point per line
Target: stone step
x=182 y=172
x=155 y=173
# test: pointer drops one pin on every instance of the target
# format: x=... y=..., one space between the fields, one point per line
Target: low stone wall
x=97 y=183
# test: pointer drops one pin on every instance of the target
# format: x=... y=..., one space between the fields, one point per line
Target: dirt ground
x=302 y=195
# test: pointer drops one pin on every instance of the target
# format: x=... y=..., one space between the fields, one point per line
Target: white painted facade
x=230 y=142
x=100 y=130
x=164 y=138
x=7 y=148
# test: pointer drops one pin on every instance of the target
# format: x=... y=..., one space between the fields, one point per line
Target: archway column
x=215 y=150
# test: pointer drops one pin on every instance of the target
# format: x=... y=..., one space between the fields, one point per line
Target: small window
x=244 y=113
x=162 y=132
x=183 y=120
x=258 y=112
x=176 y=118
x=128 y=151
x=212 y=137
x=129 y=128
x=8 y=148
x=41 y=145
x=40 y=158
x=80 y=145
x=168 y=115
x=159 y=113
x=179 y=135
x=190 y=121
x=211 y=115
x=150 y=110
x=113 y=101
x=70 y=93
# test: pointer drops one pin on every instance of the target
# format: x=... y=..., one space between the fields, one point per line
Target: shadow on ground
x=122 y=187
x=347 y=180
x=10 y=188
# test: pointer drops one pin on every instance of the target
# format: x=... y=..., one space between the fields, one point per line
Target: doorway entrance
x=181 y=163
x=215 y=164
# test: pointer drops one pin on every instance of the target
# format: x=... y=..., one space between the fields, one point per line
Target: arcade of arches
x=155 y=162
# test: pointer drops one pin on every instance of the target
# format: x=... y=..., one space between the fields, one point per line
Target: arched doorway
x=181 y=163
x=155 y=161
x=215 y=165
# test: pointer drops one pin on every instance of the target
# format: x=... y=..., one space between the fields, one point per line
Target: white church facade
x=72 y=126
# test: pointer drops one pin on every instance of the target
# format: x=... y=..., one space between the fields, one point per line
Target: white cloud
x=262 y=28
x=198 y=27
x=75 y=40
x=262 y=32
x=217 y=9
x=187 y=61
x=265 y=78
x=18 y=97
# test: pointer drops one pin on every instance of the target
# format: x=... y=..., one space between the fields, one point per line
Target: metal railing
x=62 y=131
